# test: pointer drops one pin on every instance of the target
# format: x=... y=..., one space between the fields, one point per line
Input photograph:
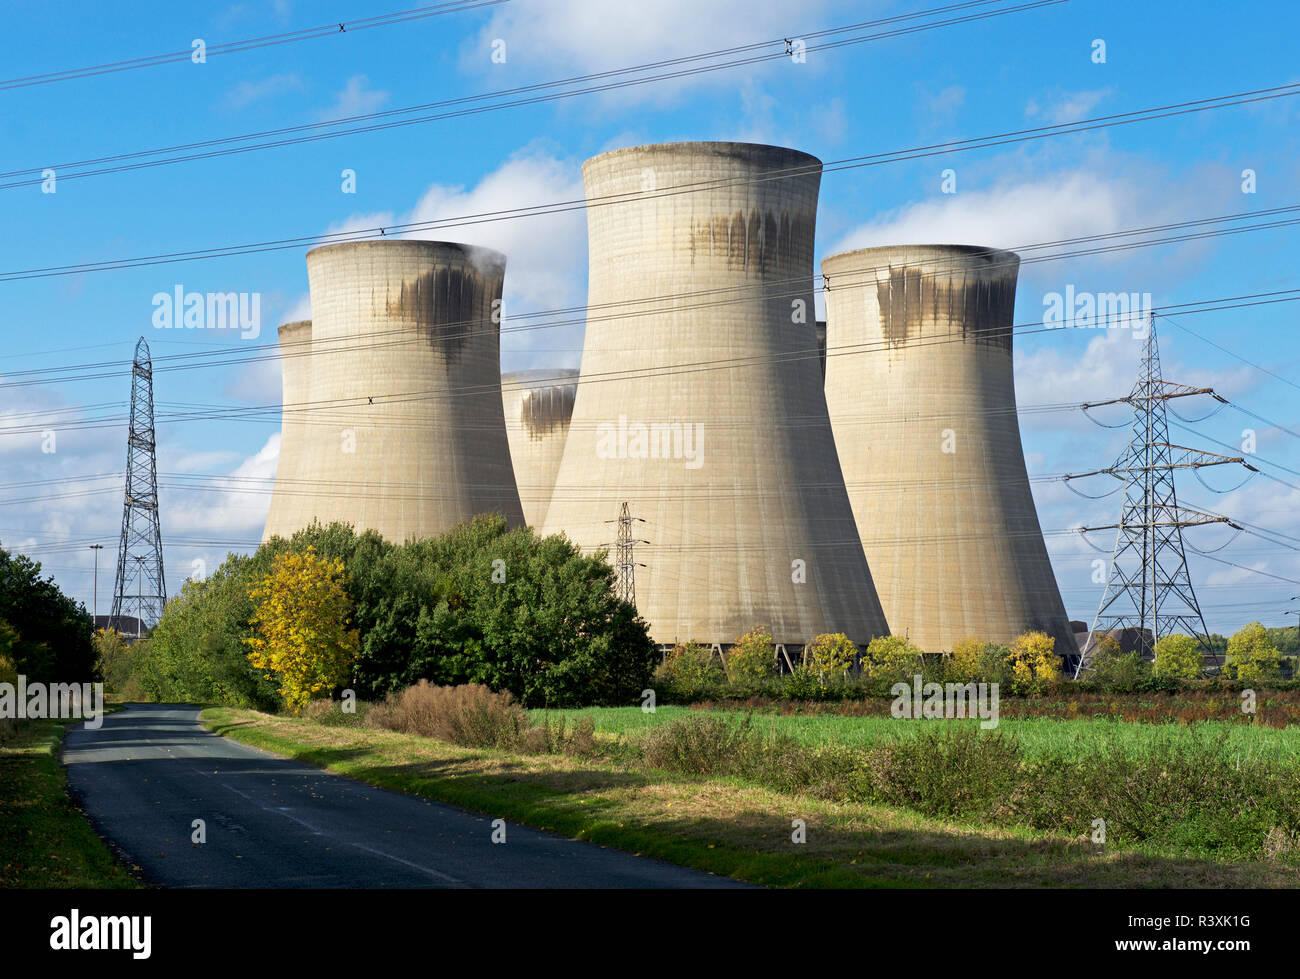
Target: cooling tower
x=923 y=403
x=707 y=417
x=537 y=406
x=821 y=346
x=295 y=394
x=406 y=434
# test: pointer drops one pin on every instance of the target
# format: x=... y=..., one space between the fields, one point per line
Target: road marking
x=432 y=873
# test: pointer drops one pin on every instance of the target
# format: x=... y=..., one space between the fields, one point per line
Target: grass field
x=1072 y=739
x=45 y=840
x=730 y=825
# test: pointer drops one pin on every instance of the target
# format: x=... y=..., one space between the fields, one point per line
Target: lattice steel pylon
x=1149 y=588
x=624 y=562
x=141 y=542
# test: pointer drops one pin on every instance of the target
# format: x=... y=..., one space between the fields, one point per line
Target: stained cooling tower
x=537 y=406
x=923 y=403
x=699 y=406
x=295 y=395
x=406 y=434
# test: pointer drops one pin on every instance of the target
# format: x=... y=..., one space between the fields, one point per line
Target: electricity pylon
x=624 y=562
x=141 y=537
x=1149 y=588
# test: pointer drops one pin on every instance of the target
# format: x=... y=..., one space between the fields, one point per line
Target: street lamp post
x=95 y=612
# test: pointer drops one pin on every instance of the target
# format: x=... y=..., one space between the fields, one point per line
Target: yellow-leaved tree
x=1034 y=663
x=301 y=623
x=831 y=656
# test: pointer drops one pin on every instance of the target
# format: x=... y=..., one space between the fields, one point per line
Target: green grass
x=45 y=840
x=1071 y=739
x=727 y=825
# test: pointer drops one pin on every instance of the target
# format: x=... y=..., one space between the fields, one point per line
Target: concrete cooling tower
x=538 y=404
x=707 y=417
x=405 y=431
x=923 y=403
x=295 y=395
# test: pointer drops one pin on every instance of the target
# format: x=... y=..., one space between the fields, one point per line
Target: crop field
x=1073 y=739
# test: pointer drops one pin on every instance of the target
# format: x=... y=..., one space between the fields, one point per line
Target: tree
x=689 y=671
x=830 y=656
x=302 y=624
x=1114 y=669
x=1178 y=657
x=751 y=657
x=53 y=631
x=972 y=660
x=1034 y=663
x=892 y=658
x=1253 y=655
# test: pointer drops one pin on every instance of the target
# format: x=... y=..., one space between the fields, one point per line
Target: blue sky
x=1025 y=69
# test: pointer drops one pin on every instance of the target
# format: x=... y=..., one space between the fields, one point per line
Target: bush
x=470 y=715
x=331 y=713
x=689 y=672
x=891 y=659
x=752 y=658
x=48 y=635
x=700 y=745
x=1034 y=663
x=972 y=661
x=830 y=656
x=1178 y=657
x=1252 y=654
x=956 y=771
x=115 y=661
x=1113 y=669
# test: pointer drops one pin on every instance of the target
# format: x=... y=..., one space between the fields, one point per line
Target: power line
x=645 y=306
x=373 y=126
x=271 y=411
x=835 y=166
x=248 y=44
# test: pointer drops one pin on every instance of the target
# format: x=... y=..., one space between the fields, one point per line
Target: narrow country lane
x=152 y=769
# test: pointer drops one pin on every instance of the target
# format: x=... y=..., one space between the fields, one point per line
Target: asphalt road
x=152 y=769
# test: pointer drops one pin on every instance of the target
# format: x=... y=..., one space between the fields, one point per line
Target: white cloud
x=942 y=107
x=355 y=99
x=248 y=92
x=1067 y=107
x=563 y=38
x=1008 y=215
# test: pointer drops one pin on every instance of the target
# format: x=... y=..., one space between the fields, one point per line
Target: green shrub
x=689 y=672
x=1178 y=657
x=48 y=635
x=831 y=656
x=752 y=657
x=956 y=771
x=1113 y=669
x=115 y=661
x=891 y=659
x=700 y=745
